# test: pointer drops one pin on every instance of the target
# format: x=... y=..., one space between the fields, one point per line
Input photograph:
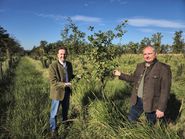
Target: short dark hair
x=64 y=48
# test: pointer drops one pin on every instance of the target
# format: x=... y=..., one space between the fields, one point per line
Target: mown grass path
x=28 y=115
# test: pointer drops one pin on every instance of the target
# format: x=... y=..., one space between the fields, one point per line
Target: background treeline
x=98 y=45
x=10 y=51
x=78 y=43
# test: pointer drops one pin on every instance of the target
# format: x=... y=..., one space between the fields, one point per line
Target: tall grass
x=107 y=117
x=28 y=116
x=92 y=115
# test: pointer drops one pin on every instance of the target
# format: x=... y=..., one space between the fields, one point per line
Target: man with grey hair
x=151 y=87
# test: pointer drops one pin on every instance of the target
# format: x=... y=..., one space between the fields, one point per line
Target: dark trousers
x=65 y=106
x=136 y=111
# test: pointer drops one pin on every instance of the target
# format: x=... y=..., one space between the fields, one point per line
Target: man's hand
x=116 y=73
x=159 y=114
x=67 y=84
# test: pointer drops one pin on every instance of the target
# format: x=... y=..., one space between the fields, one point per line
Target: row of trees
x=99 y=49
x=76 y=42
x=9 y=44
x=9 y=52
x=178 y=45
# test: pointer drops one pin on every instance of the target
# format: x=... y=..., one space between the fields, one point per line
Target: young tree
x=73 y=37
x=43 y=45
x=102 y=55
x=156 y=41
x=4 y=37
x=165 y=48
x=178 y=42
x=132 y=47
x=144 y=42
x=8 y=44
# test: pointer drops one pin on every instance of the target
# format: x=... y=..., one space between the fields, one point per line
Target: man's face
x=149 y=54
x=62 y=55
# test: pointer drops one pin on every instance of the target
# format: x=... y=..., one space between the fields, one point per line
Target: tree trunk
x=1 y=71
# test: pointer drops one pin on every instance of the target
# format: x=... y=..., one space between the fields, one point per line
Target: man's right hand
x=67 y=84
x=116 y=73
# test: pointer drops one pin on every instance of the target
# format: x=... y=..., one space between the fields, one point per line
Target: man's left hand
x=159 y=114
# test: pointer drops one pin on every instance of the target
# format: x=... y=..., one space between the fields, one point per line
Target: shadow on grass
x=6 y=99
x=173 y=109
x=121 y=94
x=91 y=95
x=117 y=104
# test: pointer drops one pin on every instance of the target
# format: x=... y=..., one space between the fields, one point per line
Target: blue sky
x=31 y=21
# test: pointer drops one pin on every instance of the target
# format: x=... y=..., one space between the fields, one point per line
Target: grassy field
x=92 y=114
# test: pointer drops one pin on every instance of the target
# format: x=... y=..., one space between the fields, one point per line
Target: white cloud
x=86 y=18
x=74 y=18
x=55 y=17
x=144 y=22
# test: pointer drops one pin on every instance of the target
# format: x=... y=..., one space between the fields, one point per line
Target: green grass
x=92 y=114
x=28 y=116
x=107 y=117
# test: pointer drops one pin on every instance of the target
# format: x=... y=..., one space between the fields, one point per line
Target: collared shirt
x=65 y=68
x=141 y=85
x=63 y=63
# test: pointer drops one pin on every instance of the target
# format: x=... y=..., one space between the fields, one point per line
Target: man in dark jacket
x=151 y=87
x=60 y=75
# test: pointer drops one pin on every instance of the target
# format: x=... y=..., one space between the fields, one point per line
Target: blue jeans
x=136 y=111
x=55 y=104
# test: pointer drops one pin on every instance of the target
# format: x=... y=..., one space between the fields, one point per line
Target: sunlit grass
x=91 y=114
x=38 y=66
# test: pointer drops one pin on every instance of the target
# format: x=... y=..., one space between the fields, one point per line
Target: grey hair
x=151 y=46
